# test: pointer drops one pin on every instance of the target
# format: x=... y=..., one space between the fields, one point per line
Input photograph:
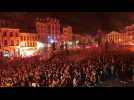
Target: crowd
x=89 y=69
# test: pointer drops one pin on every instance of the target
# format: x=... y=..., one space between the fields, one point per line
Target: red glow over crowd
x=81 y=68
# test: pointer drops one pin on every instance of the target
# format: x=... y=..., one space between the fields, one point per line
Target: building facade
x=130 y=31
x=28 y=42
x=11 y=41
x=48 y=30
x=67 y=33
x=117 y=38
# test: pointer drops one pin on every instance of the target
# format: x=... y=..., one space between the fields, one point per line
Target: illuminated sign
x=40 y=45
x=6 y=54
x=26 y=51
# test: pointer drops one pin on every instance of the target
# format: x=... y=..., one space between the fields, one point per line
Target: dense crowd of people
x=81 y=68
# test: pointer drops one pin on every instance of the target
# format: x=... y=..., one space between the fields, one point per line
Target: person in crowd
x=75 y=69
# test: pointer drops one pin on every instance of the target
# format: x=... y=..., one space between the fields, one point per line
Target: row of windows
x=11 y=34
x=118 y=37
x=48 y=28
x=47 y=25
x=29 y=44
x=24 y=38
x=12 y=43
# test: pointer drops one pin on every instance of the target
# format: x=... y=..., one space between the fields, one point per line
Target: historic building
x=67 y=34
x=9 y=40
x=12 y=41
x=16 y=38
x=48 y=30
x=117 y=38
x=28 y=42
x=130 y=31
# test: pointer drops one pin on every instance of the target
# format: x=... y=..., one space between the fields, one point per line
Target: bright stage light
x=131 y=43
x=26 y=51
x=29 y=53
x=40 y=45
x=51 y=41
x=77 y=41
x=70 y=43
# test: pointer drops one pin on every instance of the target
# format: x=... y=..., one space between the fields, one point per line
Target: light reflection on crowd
x=76 y=69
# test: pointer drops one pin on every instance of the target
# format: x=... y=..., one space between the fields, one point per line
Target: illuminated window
x=36 y=38
x=17 y=35
x=17 y=42
x=21 y=38
x=25 y=44
x=33 y=38
x=0 y=45
x=11 y=34
x=30 y=38
x=4 y=34
x=31 y=44
x=12 y=43
x=27 y=38
x=5 y=43
x=24 y=38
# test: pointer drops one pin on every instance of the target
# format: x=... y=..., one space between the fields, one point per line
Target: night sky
x=82 y=22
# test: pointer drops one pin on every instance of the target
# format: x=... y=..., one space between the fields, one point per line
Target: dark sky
x=81 y=21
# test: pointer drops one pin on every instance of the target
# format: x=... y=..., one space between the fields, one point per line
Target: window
x=37 y=38
x=0 y=46
x=34 y=43
x=30 y=38
x=25 y=44
x=17 y=35
x=4 y=34
x=27 y=38
x=33 y=38
x=12 y=43
x=31 y=44
x=17 y=43
x=21 y=38
x=24 y=38
x=11 y=34
x=5 y=43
